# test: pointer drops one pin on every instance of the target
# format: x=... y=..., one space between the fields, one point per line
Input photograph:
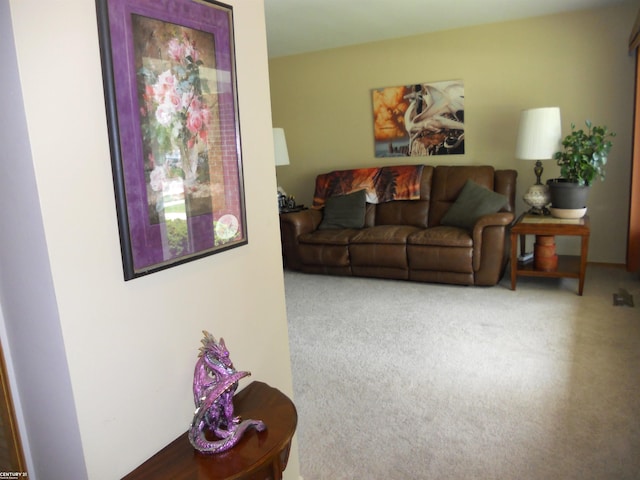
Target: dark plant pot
x=566 y=194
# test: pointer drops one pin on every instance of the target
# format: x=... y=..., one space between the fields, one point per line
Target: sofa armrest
x=304 y=221
x=489 y=246
x=493 y=219
x=292 y=225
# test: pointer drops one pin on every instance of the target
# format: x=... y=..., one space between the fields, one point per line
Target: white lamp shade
x=280 y=147
x=540 y=134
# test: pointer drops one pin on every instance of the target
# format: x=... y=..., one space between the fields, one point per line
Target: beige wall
x=577 y=61
x=131 y=346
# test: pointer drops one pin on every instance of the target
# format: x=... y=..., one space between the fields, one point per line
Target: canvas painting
x=419 y=120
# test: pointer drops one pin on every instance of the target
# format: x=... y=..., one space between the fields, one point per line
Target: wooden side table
x=258 y=455
x=570 y=266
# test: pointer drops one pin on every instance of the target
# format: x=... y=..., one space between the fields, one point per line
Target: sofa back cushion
x=425 y=183
x=447 y=185
x=505 y=184
x=370 y=215
x=403 y=212
x=408 y=212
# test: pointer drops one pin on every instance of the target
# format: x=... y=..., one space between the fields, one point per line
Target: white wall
x=131 y=346
x=32 y=337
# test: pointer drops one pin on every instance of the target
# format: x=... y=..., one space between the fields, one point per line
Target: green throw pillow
x=473 y=202
x=344 y=211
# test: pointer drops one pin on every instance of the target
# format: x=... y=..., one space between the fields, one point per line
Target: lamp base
x=544 y=211
x=544 y=253
x=538 y=197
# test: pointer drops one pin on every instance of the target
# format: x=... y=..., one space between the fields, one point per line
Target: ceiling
x=300 y=26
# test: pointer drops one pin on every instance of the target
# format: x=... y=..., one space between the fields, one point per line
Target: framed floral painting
x=170 y=94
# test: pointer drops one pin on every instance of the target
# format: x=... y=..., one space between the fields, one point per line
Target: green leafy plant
x=584 y=154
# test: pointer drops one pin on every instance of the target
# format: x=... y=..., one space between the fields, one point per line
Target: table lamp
x=539 y=137
x=282 y=158
x=280 y=147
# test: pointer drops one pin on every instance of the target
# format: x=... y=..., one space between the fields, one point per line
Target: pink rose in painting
x=173 y=99
x=167 y=78
x=156 y=179
x=186 y=99
x=191 y=51
x=203 y=134
x=147 y=96
x=164 y=114
x=197 y=117
x=205 y=113
x=194 y=121
x=174 y=107
x=166 y=83
x=175 y=50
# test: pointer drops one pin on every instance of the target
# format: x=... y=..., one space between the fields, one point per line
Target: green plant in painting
x=178 y=236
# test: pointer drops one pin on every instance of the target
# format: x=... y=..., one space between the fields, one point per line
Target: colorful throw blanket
x=383 y=184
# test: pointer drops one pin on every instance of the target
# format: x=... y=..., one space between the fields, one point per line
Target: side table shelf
x=569 y=266
x=258 y=455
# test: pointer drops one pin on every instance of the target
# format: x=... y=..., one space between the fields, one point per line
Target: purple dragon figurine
x=214 y=384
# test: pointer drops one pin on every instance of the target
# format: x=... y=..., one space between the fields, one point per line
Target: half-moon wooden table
x=258 y=455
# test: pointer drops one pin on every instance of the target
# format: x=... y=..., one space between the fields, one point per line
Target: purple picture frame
x=174 y=134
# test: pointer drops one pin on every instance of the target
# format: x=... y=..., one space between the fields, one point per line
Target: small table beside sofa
x=443 y=224
x=569 y=266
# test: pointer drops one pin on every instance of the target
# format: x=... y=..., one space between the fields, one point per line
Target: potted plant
x=581 y=160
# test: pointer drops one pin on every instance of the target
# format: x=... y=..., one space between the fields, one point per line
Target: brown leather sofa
x=405 y=239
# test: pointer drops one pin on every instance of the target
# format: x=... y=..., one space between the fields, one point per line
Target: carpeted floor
x=399 y=380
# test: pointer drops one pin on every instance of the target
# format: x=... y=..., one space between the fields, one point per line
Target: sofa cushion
x=441 y=236
x=440 y=259
x=344 y=211
x=330 y=256
x=328 y=237
x=374 y=256
x=384 y=235
x=473 y=202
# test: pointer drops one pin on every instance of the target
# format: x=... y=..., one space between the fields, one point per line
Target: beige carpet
x=399 y=380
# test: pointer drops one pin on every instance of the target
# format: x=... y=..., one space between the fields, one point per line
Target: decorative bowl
x=568 y=212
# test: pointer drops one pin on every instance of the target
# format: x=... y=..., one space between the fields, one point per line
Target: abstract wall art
x=419 y=120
